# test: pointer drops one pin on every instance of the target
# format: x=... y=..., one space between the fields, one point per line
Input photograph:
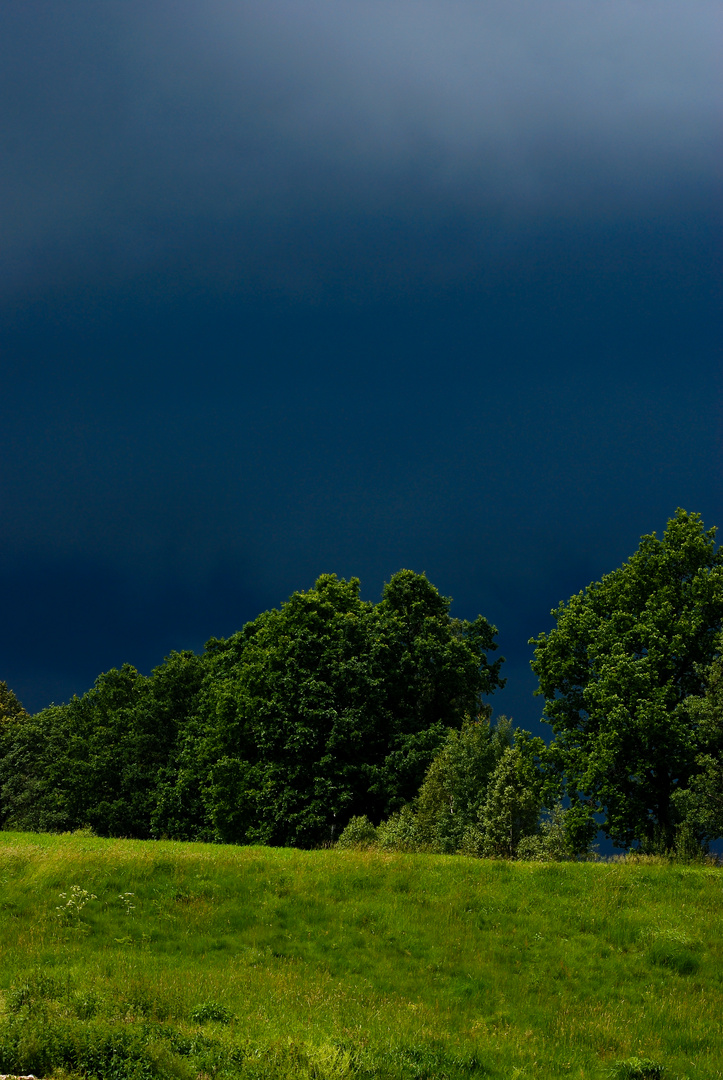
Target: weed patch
x=636 y=1068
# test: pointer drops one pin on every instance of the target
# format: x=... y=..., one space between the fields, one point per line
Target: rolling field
x=130 y=959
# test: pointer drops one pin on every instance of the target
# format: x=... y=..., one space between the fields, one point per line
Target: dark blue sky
x=294 y=288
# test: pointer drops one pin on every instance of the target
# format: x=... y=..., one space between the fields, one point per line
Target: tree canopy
x=326 y=708
x=618 y=672
x=332 y=710
x=10 y=707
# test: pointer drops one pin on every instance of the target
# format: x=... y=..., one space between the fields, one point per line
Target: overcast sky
x=297 y=287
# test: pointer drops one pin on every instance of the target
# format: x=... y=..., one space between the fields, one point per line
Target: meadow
x=130 y=960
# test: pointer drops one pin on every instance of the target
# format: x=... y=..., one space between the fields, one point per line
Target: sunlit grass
x=336 y=964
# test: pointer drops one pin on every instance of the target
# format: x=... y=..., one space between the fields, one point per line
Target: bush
x=39 y=1046
x=212 y=1011
x=359 y=833
x=560 y=837
x=473 y=842
x=399 y=832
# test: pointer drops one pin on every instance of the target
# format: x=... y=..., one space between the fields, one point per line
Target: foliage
x=327 y=709
x=445 y=816
x=618 y=672
x=103 y=1051
x=359 y=833
x=10 y=707
x=399 y=831
x=289 y=712
x=560 y=836
x=211 y=1011
x=334 y=719
x=12 y=716
x=435 y=672
x=636 y=1068
x=96 y=761
x=512 y=807
x=550 y=843
x=352 y=965
x=700 y=805
x=455 y=785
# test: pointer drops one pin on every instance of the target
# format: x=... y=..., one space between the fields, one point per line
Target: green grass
x=259 y=962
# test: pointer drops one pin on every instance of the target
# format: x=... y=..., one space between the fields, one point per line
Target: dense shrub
x=554 y=841
x=399 y=832
x=359 y=833
x=39 y=1045
x=211 y=1011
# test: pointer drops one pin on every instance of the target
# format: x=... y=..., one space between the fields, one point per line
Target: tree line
x=333 y=719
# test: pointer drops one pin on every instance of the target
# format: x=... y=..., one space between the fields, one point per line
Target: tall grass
x=187 y=959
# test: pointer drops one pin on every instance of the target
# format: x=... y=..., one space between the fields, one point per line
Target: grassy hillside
x=130 y=959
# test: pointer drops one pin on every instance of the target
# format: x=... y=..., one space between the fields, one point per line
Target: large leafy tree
x=328 y=708
x=288 y=718
x=434 y=672
x=616 y=673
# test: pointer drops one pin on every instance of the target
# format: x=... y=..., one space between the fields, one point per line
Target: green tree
x=12 y=718
x=434 y=672
x=512 y=807
x=97 y=759
x=617 y=672
x=564 y=833
x=30 y=747
x=287 y=720
x=127 y=730
x=455 y=786
x=327 y=709
x=10 y=707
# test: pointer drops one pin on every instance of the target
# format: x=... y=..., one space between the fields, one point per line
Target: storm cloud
x=295 y=287
x=264 y=141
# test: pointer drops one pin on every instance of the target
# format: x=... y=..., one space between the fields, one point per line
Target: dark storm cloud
x=244 y=140
x=293 y=287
